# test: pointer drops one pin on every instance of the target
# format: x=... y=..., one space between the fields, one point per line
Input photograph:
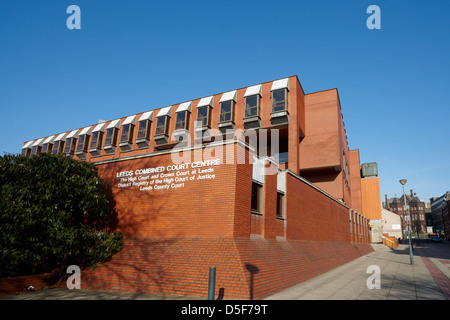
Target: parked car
x=435 y=239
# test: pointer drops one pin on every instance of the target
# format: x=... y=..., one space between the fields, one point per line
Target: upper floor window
x=111 y=134
x=279 y=94
x=143 y=129
x=252 y=100
x=279 y=100
x=128 y=130
x=252 y=105
x=227 y=102
x=97 y=137
x=36 y=147
x=183 y=114
x=69 y=147
x=163 y=121
x=46 y=147
x=48 y=144
x=111 y=137
x=203 y=116
x=96 y=140
x=204 y=112
x=71 y=142
x=161 y=125
x=58 y=145
x=127 y=133
x=182 y=120
x=226 y=111
x=26 y=149
x=83 y=142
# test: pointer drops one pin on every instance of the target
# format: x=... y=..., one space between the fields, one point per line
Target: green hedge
x=53 y=213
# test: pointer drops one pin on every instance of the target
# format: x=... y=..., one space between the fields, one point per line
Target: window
x=70 y=145
x=143 y=130
x=226 y=111
x=162 y=125
x=126 y=137
x=111 y=137
x=127 y=133
x=252 y=105
x=36 y=147
x=47 y=147
x=256 y=197
x=283 y=151
x=26 y=152
x=58 y=147
x=278 y=100
x=182 y=120
x=26 y=149
x=83 y=142
x=204 y=112
x=96 y=140
x=203 y=116
x=280 y=205
x=227 y=102
x=35 y=150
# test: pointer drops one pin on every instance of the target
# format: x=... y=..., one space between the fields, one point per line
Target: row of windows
x=415 y=217
x=227 y=110
x=412 y=208
x=87 y=142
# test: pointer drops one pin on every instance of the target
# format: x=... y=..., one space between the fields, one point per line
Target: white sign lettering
x=173 y=176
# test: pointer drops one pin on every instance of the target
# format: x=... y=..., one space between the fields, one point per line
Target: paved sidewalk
x=398 y=278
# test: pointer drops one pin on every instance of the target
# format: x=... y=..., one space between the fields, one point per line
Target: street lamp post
x=403 y=182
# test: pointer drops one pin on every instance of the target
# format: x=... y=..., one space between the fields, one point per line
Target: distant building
x=439 y=214
x=415 y=210
x=392 y=224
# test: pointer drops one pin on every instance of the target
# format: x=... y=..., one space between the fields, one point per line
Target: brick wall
x=247 y=268
x=202 y=208
x=255 y=255
x=311 y=215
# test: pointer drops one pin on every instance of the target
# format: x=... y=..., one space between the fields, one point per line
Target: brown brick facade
x=172 y=237
x=176 y=225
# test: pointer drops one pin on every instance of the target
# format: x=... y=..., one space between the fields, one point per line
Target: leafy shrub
x=53 y=213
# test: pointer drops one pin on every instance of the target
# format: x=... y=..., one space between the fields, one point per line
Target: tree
x=53 y=213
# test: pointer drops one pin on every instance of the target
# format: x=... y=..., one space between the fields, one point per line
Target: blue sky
x=134 y=56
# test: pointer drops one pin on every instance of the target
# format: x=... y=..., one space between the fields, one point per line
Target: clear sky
x=133 y=56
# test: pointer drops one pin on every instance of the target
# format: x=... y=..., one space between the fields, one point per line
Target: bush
x=53 y=213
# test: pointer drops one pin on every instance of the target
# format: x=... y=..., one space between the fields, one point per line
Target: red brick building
x=258 y=182
x=414 y=210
